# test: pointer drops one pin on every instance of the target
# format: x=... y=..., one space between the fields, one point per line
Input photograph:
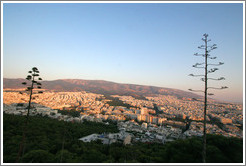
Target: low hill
x=102 y=87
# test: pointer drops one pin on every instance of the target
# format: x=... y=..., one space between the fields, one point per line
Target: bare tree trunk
x=205 y=104
x=21 y=152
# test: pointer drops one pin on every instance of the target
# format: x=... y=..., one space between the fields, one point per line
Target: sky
x=137 y=43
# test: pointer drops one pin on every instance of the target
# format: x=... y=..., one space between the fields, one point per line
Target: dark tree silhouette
x=207 y=48
x=33 y=83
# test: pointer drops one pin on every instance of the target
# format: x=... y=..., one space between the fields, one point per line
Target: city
x=156 y=119
x=123 y=82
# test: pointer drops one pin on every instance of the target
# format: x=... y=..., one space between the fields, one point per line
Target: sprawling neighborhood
x=159 y=118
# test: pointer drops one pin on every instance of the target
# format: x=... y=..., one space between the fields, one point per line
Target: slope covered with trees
x=53 y=141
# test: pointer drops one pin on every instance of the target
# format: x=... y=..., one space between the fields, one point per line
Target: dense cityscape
x=160 y=118
x=123 y=82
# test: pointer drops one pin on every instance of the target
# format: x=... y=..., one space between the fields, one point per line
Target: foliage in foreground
x=53 y=141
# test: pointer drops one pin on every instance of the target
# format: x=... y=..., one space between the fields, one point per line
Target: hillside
x=102 y=87
x=53 y=141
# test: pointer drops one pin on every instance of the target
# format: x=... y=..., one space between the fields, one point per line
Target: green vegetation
x=116 y=102
x=72 y=112
x=216 y=121
x=53 y=141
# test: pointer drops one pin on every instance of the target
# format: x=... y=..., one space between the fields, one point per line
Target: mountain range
x=101 y=87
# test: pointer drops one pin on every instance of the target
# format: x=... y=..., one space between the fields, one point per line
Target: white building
x=144 y=125
x=127 y=140
x=90 y=138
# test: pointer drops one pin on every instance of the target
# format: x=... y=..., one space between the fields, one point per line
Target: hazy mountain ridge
x=102 y=87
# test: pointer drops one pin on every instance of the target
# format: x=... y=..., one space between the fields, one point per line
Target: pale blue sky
x=148 y=44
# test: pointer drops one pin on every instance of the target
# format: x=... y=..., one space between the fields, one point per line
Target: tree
x=34 y=73
x=205 y=79
x=49 y=131
x=38 y=156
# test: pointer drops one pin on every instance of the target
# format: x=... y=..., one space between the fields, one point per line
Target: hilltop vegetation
x=53 y=141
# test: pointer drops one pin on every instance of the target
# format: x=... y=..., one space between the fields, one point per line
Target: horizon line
x=102 y=80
